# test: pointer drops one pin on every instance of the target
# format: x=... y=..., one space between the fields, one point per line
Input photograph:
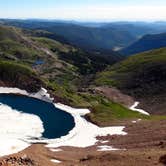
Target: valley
x=117 y=101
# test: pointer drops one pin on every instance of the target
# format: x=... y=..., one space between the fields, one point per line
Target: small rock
x=163 y=159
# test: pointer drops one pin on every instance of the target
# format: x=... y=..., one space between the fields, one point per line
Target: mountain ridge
x=147 y=42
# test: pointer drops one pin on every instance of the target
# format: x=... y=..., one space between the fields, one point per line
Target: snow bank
x=84 y=133
x=42 y=94
x=133 y=107
x=16 y=126
x=10 y=146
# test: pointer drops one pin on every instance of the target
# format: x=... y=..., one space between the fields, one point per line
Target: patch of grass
x=18 y=50
x=53 y=45
x=105 y=111
x=104 y=78
x=11 y=68
x=157 y=117
x=19 y=75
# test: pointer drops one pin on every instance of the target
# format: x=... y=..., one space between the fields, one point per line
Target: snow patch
x=41 y=94
x=103 y=142
x=133 y=107
x=55 y=161
x=106 y=148
x=135 y=121
x=11 y=145
x=56 y=150
x=15 y=127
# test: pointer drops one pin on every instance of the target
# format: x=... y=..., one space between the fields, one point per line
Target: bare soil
x=115 y=95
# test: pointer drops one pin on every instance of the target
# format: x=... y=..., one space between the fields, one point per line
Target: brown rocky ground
x=155 y=104
x=115 y=95
x=145 y=145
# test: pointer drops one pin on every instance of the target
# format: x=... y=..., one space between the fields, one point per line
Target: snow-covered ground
x=16 y=126
x=84 y=133
x=20 y=125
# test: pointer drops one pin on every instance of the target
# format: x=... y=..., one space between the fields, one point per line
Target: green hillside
x=8 y=33
x=142 y=76
x=18 y=75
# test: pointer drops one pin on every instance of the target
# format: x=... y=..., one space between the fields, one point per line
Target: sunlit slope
x=142 y=76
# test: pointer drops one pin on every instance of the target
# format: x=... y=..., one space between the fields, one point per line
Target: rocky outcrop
x=17 y=161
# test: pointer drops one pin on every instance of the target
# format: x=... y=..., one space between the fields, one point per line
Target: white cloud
x=97 y=13
x=121 y=13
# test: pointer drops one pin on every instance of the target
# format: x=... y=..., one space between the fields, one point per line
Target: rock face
x=17 y=161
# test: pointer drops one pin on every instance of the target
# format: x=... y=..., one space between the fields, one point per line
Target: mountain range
x=93 y=36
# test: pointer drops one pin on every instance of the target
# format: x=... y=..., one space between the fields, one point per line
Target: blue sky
x=84 y=9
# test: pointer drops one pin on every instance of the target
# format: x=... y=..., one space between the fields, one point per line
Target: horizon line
x=84 y=20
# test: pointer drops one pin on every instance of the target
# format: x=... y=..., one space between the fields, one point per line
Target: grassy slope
x=14 y=46
x=61 y=72
x=147 y=68
x=142 y=75
x=18 y=75
x=53 y=44
x=104 y=111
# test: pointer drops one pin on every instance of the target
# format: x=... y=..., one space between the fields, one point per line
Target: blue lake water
x=56 y=123
x=39 y=62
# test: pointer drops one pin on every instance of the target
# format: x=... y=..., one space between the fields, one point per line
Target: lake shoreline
x=82 y=135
